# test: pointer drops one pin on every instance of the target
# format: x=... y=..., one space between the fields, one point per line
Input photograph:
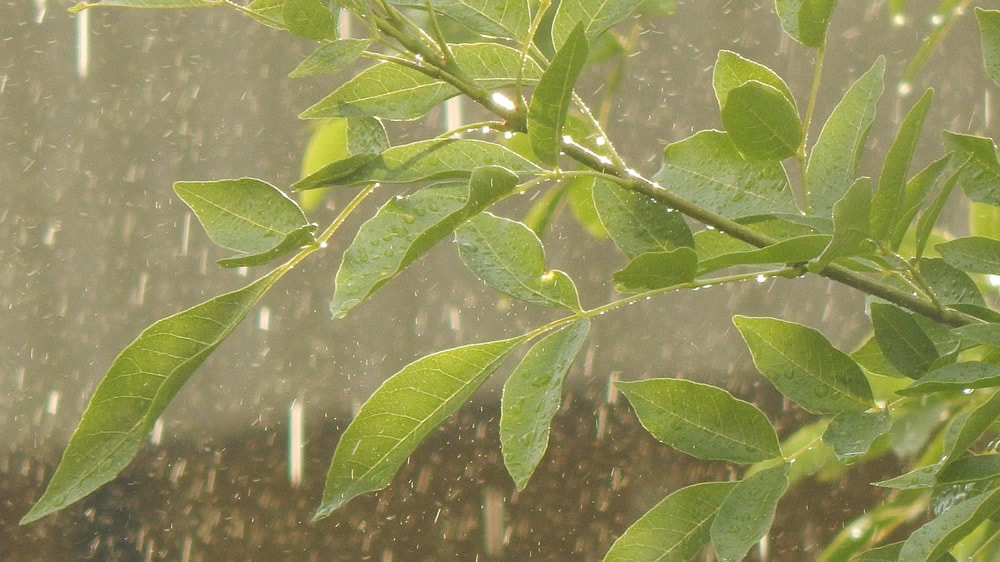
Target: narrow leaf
x=709 y=170
x=957 y=376
x=509 y=257
x=762 y=122
x=595 y=16
x=850 y=434
x=834 y=160
x=638 y=224
x=702 y=420
x=675 y=529
x=973 y=468
x=806 y=21
x=732 y=71
x=142 y=4
x=850 y=225
x=296 y=239
x=401 y=414
x=974 y=254
x=340 y=146
x=939 y=535
x=805 y=367
x=311 y=19
x=656 y=270
x=406 y=227
x=928 y=218
x=531 y=397
x=798 y=249
x=978 y=169
x=330 y=57
x=902 y=340
x=989 y=35
x=967 y=428
x=136 y=389
x=917 y=190
x=551 y=98
x=747 y=512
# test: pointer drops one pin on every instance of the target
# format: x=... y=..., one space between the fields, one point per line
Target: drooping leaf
x=989 y=36
x=974 y=254
x=806 y=21
x=902 y=340
x=957 y=376
x=732 y=71
x=939 y=535
x=311 y=19
x=432 y=159
x=889 y=202
x=595 y=16
x=508 y=20
x=656 y=270
x=702 y=420
x=950 y=284
x=917 y=190
x=968 y=427
x=509 y=257
x=978 y=169
x=638 y=224
x=762 y=122
x=850 y=225
x=391 y=91
x=406 y=227
x=850 y=434
x=550 y=101
x=330 y=57
x=296 y=240
x=709 y=170
x=797 y=249
x=141 y=4
x=805 y=367
x=834 y=160
x=401 y=413
x=138 y=386
x=531 y=397
x=747 y=512
x=675 y=529
x=247 y=215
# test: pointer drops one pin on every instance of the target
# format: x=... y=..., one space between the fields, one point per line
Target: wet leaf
x=267 y=12
x=889 y=202
x=850 y=434
x=531 y=397
x=732 y=71
x=923 y=477
x=950 y=284
x=972 y=468
x=928 y=218
x=747 y=512
x=917 y=190
x=249 y=216
x=406 y=227
x=978 y=169
x=330 y=57
x=296 y=240
x=595 y=16
x=973 y=254
x=509 y=257
x=656 y=270
x=709 y=170
x=887 y=553
x=850 y=225
x=982 y=334
x=798 y=249
x=762 y=122
x=989 y=35
x=142 y=4
x=138 y=386
x=401 y=414
x=939 y=535
x=341 y=146
x=805 y=367
x=550 y=101
x=508 y=20
x=675 y=529
x=311 y=19
x=968 y=427
x=702 y=420
x=834 y=160
x=638 y=224
x=902 y=340
x=806 y=21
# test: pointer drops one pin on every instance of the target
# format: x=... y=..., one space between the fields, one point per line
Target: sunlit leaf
x=834 y=160
x=341 y=145
x=902 y=340
x=406 y=227
x=928 y=218
x=804 y=366
x=732 y=71
x=595 y=16
x=957 y=376
x=798 y=249
x=267 y=12
x=142 y=4
x=709 y=170
x=917 y=190
x=401 y=414
x=311 y=19
x=850 y=225
x=296 y=239
x=509 y=19
x=551 y=98
x=939 y=535
x=531 y=397
x=509 y=257
x=638 y=224
x=887 y=553
x=702 y=420
x=580 y=195
x=330 y=57
x=655 y=270
x=138 y=386
x=747 y=512
x=850 y=434
x=675 y=529
x=806 y=21
x=989 y=35
x=978 y=169
x=762 y=122
x=974 y=254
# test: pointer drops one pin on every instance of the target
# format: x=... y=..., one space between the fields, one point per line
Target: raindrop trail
x=295 y=440
x=82 y=44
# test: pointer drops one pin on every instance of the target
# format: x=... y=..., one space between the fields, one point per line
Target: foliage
x=721 y=209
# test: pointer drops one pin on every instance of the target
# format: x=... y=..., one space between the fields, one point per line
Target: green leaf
x=850 y=434
x=595 y=16
x=978 y=169
x=267 y=12
x=142 y=4
x=401 y=414
x=550 y=100
x=709 y=170
x=702 y=420
x=798 y=249
x=887 y=553
x=509 y=257
x=834 y=160
x=762 y=122
x=950 y=284
x=311 y=19
x=656 y=270
x=973 y=468
x=902 y=340
x=957 y=376
x=980 y=334
x=923 y=477
x=967 y=428
x=917 y=190
x=137 y=388
x=341 y=146
x=747 y=512
x=805 y=367
x=806 y=21
x=927 y=220
x=638 y=224
x=432 y=159
x=249 y=216
x=850 y=225
x=890 y=199
x=406 y=227
x=732 y=71
x=675 y=529
x=531 y=397
x=296 y=239
x=509 y=20
x=391 y=91
x=580 y=194
x=974 y=254
x=989 y=35
x=330 y=57
x=939 y=535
